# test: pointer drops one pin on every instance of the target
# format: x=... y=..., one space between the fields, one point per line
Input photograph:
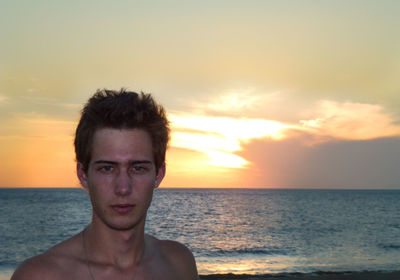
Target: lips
x=122 y=208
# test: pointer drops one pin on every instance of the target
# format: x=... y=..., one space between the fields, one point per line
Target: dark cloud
x=333 y=164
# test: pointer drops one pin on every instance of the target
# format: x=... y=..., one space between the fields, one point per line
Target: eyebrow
x=115 y=163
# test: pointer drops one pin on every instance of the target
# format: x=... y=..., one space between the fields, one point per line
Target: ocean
x=240 y=231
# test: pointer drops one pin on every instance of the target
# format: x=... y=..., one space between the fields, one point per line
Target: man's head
x=121 y=110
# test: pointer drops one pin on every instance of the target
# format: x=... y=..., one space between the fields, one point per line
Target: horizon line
x=232 y=188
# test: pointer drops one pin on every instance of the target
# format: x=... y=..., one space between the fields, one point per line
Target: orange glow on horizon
x=205 y=151
x=39 y=154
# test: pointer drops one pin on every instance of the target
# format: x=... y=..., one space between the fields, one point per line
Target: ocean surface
x=240 y=231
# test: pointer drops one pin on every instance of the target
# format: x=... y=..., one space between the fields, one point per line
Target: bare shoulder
x=38 y=267
x=55 y=263
x=175 y=249
x=179 y=257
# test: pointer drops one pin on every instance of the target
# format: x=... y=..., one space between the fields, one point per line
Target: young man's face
x=121 y=177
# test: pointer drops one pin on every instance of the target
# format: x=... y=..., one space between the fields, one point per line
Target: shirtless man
x=120 y=146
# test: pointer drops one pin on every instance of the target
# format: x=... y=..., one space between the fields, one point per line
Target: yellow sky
x=259 y=93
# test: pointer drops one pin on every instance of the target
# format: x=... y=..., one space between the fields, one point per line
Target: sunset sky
x=288 y=94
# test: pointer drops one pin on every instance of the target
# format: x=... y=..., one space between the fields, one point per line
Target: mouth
x=122 y=208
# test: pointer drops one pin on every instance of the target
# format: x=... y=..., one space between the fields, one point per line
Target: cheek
x=144 y=180
x=99 y=190
x=144 y=187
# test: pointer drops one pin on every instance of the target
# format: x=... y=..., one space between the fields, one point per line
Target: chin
x=123 y=225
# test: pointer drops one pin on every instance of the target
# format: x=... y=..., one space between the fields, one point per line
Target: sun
x=221 y=137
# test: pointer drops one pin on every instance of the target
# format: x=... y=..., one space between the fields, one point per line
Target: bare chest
x=153 y=271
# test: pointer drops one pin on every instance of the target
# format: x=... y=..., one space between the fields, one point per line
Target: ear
x=160 y=176
x=82 y=176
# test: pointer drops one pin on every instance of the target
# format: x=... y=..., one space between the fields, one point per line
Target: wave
x=253 y=251
x=7 y=263
x=390 y=246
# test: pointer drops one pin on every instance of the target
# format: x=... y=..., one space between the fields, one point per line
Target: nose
x=123 y=184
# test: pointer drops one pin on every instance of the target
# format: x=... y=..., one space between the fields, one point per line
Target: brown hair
x=121 y=110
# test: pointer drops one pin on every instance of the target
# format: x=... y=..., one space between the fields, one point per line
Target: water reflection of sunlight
x=241 y=265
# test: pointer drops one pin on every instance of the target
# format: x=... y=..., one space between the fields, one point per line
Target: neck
x=119 y=248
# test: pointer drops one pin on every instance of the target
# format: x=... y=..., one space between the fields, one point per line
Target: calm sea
x=241 y=231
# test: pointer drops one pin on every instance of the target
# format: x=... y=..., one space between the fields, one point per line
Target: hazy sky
x=298 y=94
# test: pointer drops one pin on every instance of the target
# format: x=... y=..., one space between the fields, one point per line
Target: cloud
x=48 y=101
x=348 y=120
x=2 y=99
x=239 y=102
x=34 y=125
x=337 y=164
x=234 y=101
x=220 y=137
x=218 y=130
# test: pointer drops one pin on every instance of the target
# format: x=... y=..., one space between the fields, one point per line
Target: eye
x=139 y=169
x=106 y=169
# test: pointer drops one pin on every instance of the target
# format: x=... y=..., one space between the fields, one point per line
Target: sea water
x=241 y=231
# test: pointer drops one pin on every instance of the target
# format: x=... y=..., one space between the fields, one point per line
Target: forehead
x=121 y=144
